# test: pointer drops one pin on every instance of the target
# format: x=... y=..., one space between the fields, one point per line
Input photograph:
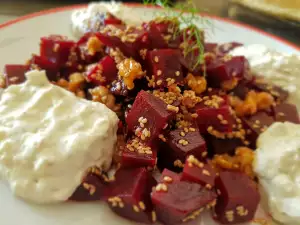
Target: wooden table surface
x=11 y=9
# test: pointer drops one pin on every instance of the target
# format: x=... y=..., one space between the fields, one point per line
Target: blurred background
x=279 y=17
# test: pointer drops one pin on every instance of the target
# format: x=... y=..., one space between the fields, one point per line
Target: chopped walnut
x=190 y=99
x=241 y=161
x=197 y=83
x=103 y=95
x=129 y=70
x=264 y=100
x=76 y=80
x=94 y=45
x=253 y=102
x=229 y=84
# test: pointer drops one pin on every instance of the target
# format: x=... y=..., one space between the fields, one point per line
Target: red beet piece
x=180 y=201
x=137 y=154
x=129 y=194
x=214 y=113
x=148 y=117
x=256 y=124
x=190 y=61
x=222 y=146
x=42 y=63
x=277 y=92
x=111 y=19
x=167 y=174
x=164 y=67
x=238 y=198
x=15 y=74
x=178 y=147
x=198 y=172
x=227 y=68
x=104 y=72
x=91 y=189
x=224 y=49
x=56 y=48
x=286 y=112
x=210 y=47
x=129 y=40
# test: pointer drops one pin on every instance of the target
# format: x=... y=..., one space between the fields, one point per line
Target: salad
x=187 y=109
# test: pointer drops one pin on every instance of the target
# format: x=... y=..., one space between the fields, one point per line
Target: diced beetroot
x=15 y=74
x=277 y=92
x=91 y=189
x=148 y=117
x=56 y=48
x=177 y=147
x=286 y=112
x=164 y=67
x=137 y=154
x=104 y=72
x=222 y=146
x=129 y=40
x=39 y=62
x=180 y=201
x=227 y=68
x=241 y=89
x=190 y=61
x=224 y=49
x=238 y=198
x=214 y=114
x=111 y=19
x=256 y=124
x=168 y=176
x=129 y=194
x=198 y=172
x=210 y=47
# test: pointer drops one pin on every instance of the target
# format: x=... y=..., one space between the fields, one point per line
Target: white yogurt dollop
x=49 y=138
x=277 y=164
x=278 y=68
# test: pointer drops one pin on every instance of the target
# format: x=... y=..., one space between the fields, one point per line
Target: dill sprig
x=188 y=16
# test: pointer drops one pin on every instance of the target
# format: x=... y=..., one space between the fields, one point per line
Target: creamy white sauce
x=282 y=69
x=49 y=138
x=82 y=19
x=277 y=164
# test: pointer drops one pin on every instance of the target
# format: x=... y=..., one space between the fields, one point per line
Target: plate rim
x=135 y=5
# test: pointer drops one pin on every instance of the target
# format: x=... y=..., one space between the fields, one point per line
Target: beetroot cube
x=56 y=48
x=130 y=41
x=15 y=74
x=42 y=63
x=137 y=154
x=164 y=67
x=104 y=72
x=179 y=144
x=180 y=201
x=198 y=172
x=227 y=68
x=286 y=112
x=148 y=116
x=224 y=49
x=214 y=114
x=91 y=189
x=222 y=146
x=168 y=176
x=238 y=198
x=256 y=124
x=190 y=61
x=129 y=194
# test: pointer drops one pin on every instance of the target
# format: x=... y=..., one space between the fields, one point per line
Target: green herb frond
x=188 y=16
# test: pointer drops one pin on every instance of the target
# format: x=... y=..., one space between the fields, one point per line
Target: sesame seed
x=204 y=154
x=178 y=163
x=172 y=108
x=206 y=172
x=161 y=187
x=220 y=117
x=142 y=205
x=194 y=115
x=135 y=208
x=182 y=134
x=281 y=114
x=224 y=122
x=159 y=82
x=154 y=217
x=177 y=73
x=159 y=72
x=218 y=192
x=257 y=121
x=168 y=179
x=186 y=129
x=192 y=129
x=156 y=59
x=121 y=205
x=208 y=186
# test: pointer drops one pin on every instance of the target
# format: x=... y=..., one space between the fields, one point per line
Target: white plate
x=20 y=38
